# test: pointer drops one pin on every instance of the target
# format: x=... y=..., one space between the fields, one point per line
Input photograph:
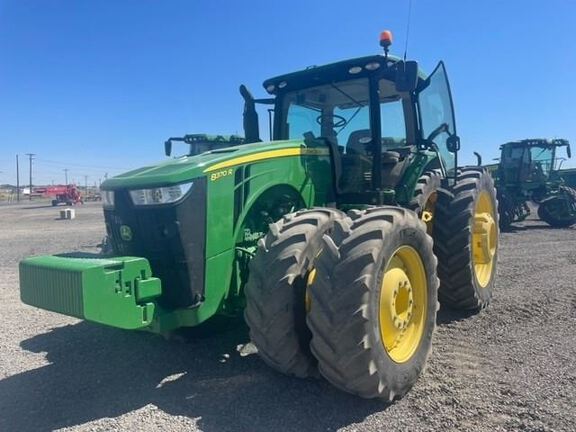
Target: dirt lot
x=512 y=367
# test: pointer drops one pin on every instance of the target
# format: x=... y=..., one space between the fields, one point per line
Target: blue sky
x=97 y=86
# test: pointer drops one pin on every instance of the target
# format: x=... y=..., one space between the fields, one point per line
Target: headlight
x=107 y=198
x=161 y=195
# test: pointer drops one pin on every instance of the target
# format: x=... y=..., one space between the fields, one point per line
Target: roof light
x=270 y=88
x=385 y=39
x=354 y=70
x=282 y=84
x=372 y=66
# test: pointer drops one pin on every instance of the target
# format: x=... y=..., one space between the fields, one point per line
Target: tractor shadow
x=446 y=315
x=97 y=372
x=533 y=226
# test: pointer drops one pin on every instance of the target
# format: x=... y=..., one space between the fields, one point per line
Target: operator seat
x=359 y=142
x=356 y=165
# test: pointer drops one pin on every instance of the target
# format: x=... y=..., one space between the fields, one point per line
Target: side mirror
x=453 y=143
x=406 y=76
x=168 y=148
x=568 y=151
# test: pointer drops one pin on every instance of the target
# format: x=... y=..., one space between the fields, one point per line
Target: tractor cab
x=531 y=161
x=379 y=115
x=200 y=143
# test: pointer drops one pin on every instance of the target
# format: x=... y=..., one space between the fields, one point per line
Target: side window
x=435 y=105
x=393 y=124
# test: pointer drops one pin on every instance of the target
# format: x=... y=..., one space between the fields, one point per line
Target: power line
x=73 y=164
x=30 y=157
x=17 y=180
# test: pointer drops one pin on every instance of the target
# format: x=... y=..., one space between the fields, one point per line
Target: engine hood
x=185 y=168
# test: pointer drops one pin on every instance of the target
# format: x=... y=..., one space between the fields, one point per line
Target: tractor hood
x=186 y=168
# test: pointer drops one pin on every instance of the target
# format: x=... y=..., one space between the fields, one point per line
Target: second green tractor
x=529 y=170
x=337 y=239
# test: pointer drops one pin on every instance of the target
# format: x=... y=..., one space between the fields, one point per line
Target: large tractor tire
x=559 y=211
x=276 y=292
x=466 y=236
x=425 y=197
x=374 y=302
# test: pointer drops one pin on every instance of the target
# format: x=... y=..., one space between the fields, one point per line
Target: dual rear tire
x=355 y=297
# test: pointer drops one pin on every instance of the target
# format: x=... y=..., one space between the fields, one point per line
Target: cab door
x=436 y=116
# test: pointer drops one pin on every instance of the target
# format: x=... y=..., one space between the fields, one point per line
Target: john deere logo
x=126 y=233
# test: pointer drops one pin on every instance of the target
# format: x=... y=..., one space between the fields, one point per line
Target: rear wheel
x=506 y=212
x=374 y=303
x=466 y=240
x=276 y=290
x=560 y=210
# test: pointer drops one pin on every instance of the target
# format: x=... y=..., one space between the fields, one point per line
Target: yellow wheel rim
x=484 y=239
x=428 y=212
x=309 y=281
x=403 y=304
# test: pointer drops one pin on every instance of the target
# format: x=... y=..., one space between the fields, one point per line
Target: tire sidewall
x=401 y=374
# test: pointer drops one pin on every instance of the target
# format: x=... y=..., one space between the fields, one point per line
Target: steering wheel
x=338 y=120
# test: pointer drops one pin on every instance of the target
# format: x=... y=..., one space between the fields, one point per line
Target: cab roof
x=332 y=72
x=536 y=142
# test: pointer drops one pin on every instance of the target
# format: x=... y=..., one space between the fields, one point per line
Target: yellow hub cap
x=403 y=304
x=484 y=239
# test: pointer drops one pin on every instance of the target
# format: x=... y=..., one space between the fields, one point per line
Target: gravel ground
x=511 y=367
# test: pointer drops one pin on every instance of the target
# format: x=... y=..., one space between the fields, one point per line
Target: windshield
x=332 y=111
x=340 y=113
x=541 y=161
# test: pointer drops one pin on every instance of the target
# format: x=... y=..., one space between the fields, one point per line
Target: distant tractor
x=528 y=170
x=68 y=194
x=336 y=239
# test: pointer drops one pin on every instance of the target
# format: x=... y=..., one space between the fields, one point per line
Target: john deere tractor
x=336 y=239
x=529 y=170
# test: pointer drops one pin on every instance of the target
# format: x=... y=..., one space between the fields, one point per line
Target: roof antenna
x=408 y=28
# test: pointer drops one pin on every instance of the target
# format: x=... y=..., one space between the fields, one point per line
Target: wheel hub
x=484 y=238
x=402 y=304
x=401 y=299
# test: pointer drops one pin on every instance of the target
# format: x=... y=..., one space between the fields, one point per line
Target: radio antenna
x=408 y=28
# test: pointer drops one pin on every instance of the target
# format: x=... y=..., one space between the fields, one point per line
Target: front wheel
x=374 y=302
x=466 y=236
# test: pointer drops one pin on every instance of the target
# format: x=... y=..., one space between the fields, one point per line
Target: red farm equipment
x=64 y=194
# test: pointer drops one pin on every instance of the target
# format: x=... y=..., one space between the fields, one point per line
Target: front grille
x=171 y=237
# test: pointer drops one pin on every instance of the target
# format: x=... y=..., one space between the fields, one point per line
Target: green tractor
x=336 y=239
x=529 y=170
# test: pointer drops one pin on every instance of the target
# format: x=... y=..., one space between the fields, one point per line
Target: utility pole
x=17 y=180
x=66 y=174
x=30 y=157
